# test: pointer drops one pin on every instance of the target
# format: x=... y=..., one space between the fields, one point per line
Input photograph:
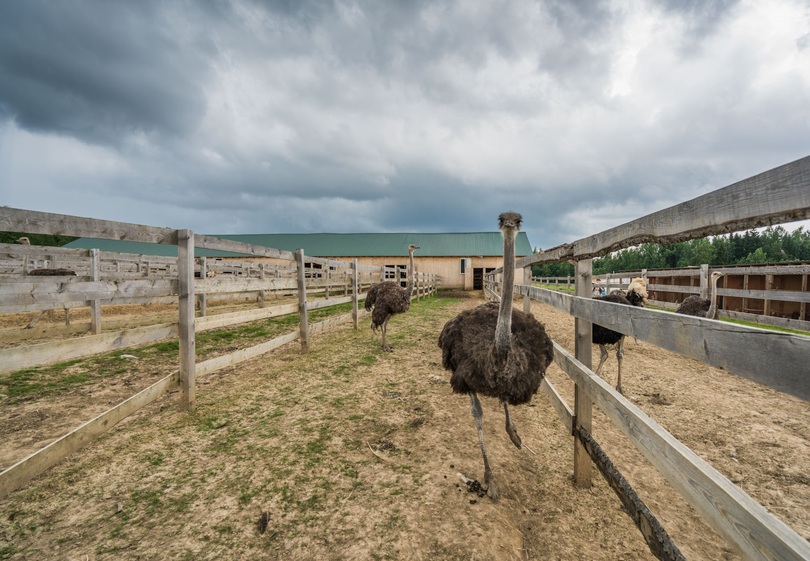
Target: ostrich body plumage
x=702 y=307
x=636 y=295
x=602 y=335
x=466 y=343
x=694 y=306
x=497 y=351
x=387 y=298
x=384 y=300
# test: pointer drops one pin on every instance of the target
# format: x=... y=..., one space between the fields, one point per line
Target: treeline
x=771 y=245
x=36 y=239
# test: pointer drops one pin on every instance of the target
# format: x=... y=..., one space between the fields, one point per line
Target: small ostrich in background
x=389 y=298
x=702 y=307
x=636 y=295
x=497 y=351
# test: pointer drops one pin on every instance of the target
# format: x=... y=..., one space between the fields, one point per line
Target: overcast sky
x=233 y=117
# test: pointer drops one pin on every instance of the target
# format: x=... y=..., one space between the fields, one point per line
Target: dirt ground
x=350 y=453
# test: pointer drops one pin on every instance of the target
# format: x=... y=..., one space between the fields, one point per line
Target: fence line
x=177 y=282
x=779 y=195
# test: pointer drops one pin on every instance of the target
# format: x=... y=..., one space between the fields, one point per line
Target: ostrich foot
x=387 y=349
x=513 y=435
x=491 y=488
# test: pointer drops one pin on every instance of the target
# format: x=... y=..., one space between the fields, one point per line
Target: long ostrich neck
x=503 y=329
x=713 y=299
x=410 y=272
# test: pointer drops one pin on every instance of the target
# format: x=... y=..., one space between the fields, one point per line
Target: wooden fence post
x=527 y=279
x=185 y=274
x=262 y=292
x=302 y=301
x=202 y=298
x=355 y=295
x=704 y=281
x=582 y=352
x=95 y=305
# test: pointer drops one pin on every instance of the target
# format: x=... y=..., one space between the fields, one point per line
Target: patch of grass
x=768 y=327
x=155 y=458
x=42 y=380
x=7 y=551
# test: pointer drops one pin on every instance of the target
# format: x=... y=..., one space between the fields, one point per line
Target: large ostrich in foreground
x=497 y=351
x=702 y=307
x=389 y=298
x=636 y=295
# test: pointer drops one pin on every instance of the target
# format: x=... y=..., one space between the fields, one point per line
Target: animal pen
x=777 y=360
x=780 y=195
x=113 y=278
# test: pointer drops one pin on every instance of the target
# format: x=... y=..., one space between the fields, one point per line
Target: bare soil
x=350 y=453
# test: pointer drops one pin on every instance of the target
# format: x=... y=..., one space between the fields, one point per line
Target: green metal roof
x=467 y=244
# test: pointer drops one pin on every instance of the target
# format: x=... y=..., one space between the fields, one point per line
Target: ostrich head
x=509 y=220
x=412 y=248
x=24 y=240
x=637 y=292
x=715 y=275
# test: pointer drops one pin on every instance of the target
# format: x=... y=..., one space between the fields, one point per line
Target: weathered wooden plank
x=337 y=264
x=314 y=305
x=329 y=323
x=234 y=358
x=26 y=469
x=675 y=289
x=14 y=251
x=220 y=244
x=33 y=222
x=186 y=334
x=58 y=290
x=221 y=284
x=777 y=360
x=234 y=318
x=779 y=295
x=772 y=197
x=558 y=404
x=303 y=315
x=583 y=409
x=745 y=524
x=18 y=358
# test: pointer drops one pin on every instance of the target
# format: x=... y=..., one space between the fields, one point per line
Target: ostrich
x=636 y=295
x=51 y=273
x=388 y=298
x=497 y=351
x=702 y=307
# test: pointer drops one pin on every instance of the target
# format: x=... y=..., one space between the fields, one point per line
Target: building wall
x=448 y=268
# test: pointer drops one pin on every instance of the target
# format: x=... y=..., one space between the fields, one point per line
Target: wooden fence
x=106 y=278
x=777 y=295
x=778 y=360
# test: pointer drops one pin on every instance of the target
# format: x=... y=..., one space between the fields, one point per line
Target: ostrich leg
x=603 y=355
x=478 y=415
x=511 y=429
x=619 y=357
x=385 y=346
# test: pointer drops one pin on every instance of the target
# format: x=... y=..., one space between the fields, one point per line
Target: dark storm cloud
x=98 y=70
x=301 y=115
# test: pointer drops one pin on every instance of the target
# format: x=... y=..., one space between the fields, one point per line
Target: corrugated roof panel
x=142 y=248
x=464 y=244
